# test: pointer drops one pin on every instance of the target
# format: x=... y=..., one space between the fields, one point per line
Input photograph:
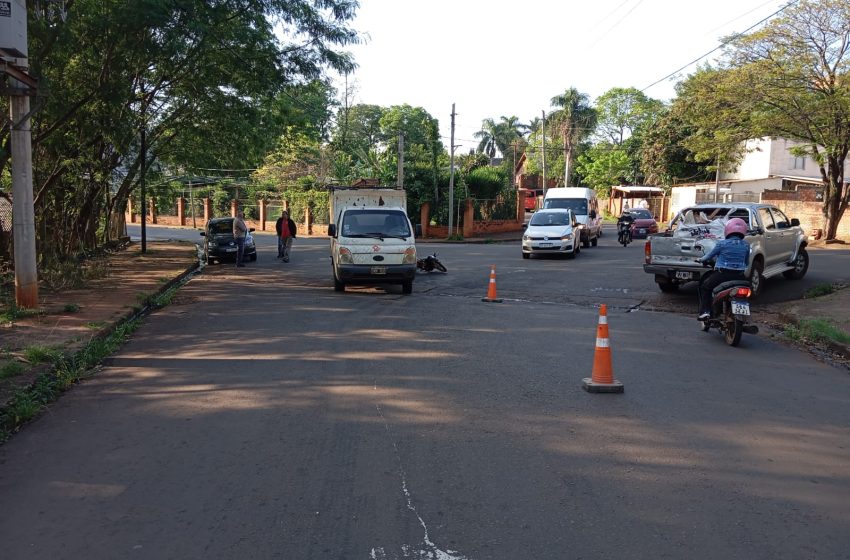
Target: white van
x=372 y=239
x=584 y=205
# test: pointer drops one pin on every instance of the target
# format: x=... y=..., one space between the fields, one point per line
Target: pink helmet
x=735 y=225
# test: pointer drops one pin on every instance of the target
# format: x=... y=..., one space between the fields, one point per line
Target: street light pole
x=452 y=174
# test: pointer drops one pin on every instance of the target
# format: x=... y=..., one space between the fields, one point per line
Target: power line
x=721 y=45
x=618 y=22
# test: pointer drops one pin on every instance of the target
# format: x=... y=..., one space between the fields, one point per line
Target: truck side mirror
x=417 y=230
x=795 y=222
x=332 y=230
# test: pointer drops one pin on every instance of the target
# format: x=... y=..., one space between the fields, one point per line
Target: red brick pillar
x=262 y=214
x=234 y=207
x=468 y=218
x=520 y=206
x=152 y=204
x=207 y=210
x=181 y=211
x=308 y=220
x=425 y=218
x=131 y=216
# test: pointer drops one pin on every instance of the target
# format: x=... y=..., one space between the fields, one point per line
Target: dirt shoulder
x=68 y=319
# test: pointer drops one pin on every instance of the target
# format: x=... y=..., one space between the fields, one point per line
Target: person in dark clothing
x=731 y=255
x=285 y=228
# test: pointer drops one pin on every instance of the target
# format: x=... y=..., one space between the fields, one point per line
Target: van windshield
x=577 y=205
x=375 y=223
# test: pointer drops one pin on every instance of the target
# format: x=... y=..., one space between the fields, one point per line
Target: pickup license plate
x=378 y=270
x=740 y=308
x=683 y=275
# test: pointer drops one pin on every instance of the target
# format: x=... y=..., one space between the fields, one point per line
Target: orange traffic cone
x=602 y=379
x=491 y=289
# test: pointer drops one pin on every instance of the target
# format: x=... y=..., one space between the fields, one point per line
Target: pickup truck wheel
x=407 y=288
x=801 y=265
x=666 y=286
x=756 y=278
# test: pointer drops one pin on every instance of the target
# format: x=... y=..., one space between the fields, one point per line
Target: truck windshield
x=577 y=205
x=375 y=223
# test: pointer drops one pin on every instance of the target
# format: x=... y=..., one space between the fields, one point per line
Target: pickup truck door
x=786 y=233
x=774 y=239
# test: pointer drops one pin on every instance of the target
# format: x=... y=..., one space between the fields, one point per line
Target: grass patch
x=27 y=402
x=818 y=330
x=96 y=325
x=11 y=369
x=37 y=354
x=13 y=313
x=819 y=290
x=71 y=308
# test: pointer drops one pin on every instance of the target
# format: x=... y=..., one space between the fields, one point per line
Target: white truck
x=372 y=239
x=777 y=244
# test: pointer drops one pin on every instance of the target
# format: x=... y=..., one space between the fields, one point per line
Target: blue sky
x=494 y=58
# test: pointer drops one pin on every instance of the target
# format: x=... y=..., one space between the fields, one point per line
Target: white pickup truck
x=777 y=244
x=372 y=239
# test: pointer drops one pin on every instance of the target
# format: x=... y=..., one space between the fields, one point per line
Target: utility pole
x=717 y=181
x=452 y=174
x=21 y=86
x=400 y=173
x=543 y=131
x=143 y=156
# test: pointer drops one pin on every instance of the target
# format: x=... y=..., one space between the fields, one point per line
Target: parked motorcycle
x=430 y=263
x=730 y=310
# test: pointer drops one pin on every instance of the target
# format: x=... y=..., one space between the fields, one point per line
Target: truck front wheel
x=407 y=288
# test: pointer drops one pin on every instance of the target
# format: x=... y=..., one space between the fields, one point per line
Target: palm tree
x=573 y=120
x=488 y=133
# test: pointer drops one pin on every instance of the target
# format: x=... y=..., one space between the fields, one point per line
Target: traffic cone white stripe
x=602 y=343
x=603 y=319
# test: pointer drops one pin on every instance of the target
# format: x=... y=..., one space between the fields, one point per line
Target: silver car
x=552 y=231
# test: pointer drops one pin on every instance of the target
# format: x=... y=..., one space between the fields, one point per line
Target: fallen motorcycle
x=430 y=263
x=730 y=310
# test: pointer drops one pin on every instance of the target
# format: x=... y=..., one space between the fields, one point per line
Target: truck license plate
x=682 y=275
x=379 y=270
x=740 y=308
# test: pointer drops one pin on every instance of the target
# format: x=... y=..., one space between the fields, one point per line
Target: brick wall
x=805 y=204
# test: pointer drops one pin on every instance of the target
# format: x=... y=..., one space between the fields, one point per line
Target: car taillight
x=743 y=292
x=647 y=252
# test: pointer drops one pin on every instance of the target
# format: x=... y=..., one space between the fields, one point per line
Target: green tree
x=792 y=77
x=573 y=120
x=621 y=112
x=604 y=165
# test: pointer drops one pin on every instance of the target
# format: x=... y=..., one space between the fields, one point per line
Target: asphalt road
x=263 y=415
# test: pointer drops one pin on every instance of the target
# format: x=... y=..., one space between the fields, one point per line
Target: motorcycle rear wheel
x=439 y=266
x=734 y=329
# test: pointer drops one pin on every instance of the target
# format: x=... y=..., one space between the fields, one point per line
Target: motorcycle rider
x=624 y=224
x=731 y=255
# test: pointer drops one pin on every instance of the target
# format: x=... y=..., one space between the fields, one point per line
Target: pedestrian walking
x=285 y=228
x=240 y=231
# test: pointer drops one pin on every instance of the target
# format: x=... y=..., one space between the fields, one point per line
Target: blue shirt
x=732 y=254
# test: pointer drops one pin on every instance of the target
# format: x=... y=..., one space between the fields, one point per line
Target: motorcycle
x=624 y=232
x=730 y=310
x=430 y=263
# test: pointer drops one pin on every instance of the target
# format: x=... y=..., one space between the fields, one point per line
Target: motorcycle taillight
x=743 y=292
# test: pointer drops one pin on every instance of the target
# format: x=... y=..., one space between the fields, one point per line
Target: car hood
x=644 y=222
x=548 y=231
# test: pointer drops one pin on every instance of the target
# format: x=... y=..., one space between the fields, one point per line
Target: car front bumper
x=552 y=246
x=368 y=274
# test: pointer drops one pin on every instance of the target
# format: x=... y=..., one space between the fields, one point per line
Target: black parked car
x=219 y=243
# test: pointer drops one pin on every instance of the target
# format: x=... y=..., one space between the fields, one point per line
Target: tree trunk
x=836 y=196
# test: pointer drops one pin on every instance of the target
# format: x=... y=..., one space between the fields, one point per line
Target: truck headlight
x=345 y=256
x=409 y=256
